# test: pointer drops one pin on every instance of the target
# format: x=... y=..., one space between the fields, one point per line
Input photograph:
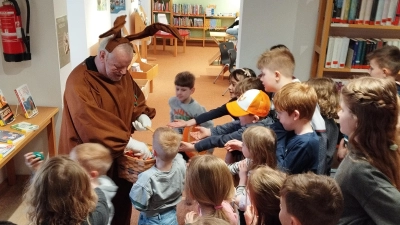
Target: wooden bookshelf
x=326 y=28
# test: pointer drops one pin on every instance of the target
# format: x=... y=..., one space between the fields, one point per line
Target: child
x=295 y=104
x=210 y=183
x=235 y=77
x=233 y=29
x=250 y=108
x=328 y=101
x=263 y=188
x=191 y=219
x=310 y=199
x=159 y=189
x=97 y=160
x=385 y=62
x=259 y=148
x=183 y=106
x=61 y=193
x=277 y=67
x=369 y=175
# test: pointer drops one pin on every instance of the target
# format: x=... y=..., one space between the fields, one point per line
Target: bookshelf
x=161 y=7
x=192 y=17
x=326 y=28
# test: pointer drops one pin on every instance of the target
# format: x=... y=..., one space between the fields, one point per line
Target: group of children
x=280 y=147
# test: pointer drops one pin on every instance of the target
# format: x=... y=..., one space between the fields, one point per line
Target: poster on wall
x=101 y=5
x=116 y=6
x=63 y=41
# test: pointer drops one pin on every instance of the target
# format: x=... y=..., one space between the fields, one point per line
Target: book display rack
x=347 y=32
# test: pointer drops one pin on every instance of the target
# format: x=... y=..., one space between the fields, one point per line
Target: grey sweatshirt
x=109 y=189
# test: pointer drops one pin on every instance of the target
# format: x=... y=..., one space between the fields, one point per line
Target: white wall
x=264 y=23
x=42 y=73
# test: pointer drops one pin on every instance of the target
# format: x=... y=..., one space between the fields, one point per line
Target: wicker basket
x=129 y=167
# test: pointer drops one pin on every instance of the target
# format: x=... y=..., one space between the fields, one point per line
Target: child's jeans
x=164 y=218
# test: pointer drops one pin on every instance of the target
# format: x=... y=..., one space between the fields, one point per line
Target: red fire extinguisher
x=16 y=45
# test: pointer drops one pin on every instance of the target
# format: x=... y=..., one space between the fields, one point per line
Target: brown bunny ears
x=148 y=31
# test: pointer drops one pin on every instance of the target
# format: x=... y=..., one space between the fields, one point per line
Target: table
x=164 y=35
x=45 y=119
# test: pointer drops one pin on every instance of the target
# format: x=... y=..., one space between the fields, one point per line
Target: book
x=354 y=5
x=5 y=149
x=328 y=60
x=368 y=9
x=373 y=12
x=360 y=18
x=337 y=11
x=391 y=12
x=26 y=101
x=6 y=114
x=343 y=52
x=10 y=137
x=24 y=127
x=379 y=12
x=345 y=11
x=337 y=47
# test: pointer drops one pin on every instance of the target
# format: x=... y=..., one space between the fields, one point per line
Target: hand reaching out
x=190 y=217
x=249 y=215
x=243 y=172
x=182 y=123
x=233 y=145
x=201 y=133
x=142 y=122
x=32 y=161
x=186 y=146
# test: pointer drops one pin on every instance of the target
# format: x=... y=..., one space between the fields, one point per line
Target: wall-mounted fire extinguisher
x=16 y=46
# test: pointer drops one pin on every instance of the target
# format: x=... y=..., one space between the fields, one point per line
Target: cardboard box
x=144 y=85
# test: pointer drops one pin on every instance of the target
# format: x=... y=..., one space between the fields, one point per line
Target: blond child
x=328 y=101
x=61 y=193
x=209 y=182
x=277 y=67
x=295 y=104
x=385 y=62
x=159 y=189
x=310 y=199
x=369 y=175
x=263 y=187
x=96 y=160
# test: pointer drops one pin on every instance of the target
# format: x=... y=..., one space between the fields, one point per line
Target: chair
x=232 y=63
x=224 y=47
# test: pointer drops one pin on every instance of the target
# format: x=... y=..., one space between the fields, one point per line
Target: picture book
x=5 y=149
x=24 y=127
x=26 y=101
x=10 y=137
x=6 y=114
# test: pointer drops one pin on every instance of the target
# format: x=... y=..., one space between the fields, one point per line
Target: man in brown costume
x=102 y=104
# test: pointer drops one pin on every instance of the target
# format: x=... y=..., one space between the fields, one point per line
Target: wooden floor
x=207 y=94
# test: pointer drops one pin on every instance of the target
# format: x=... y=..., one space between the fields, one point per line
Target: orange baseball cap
x=253 y=101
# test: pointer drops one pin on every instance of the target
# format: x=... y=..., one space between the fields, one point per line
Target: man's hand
x=139 y=148
x=32 y=161
x=201 y=133
x=233 y=145
x=186 y=147
x=142 y=122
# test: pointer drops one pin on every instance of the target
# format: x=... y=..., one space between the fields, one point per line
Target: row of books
x=213 y=24
x=369 y=12
x=188 y=9
x=188 y=22
x=161 y=6
x=27 y=104
x=344 y=52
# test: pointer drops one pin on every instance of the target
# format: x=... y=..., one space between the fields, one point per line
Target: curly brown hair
x=328 y=96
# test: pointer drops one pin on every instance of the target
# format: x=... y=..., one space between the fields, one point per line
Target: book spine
x=328 y=60
x=391 y=12
x=373 y=12
x=343 y=52
x=396 y=20
x=368 y=9
x=337 y=47
x=360 y=19
x=379 y=12
x=345 y=11
x=353 y=11
x=385 y=12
